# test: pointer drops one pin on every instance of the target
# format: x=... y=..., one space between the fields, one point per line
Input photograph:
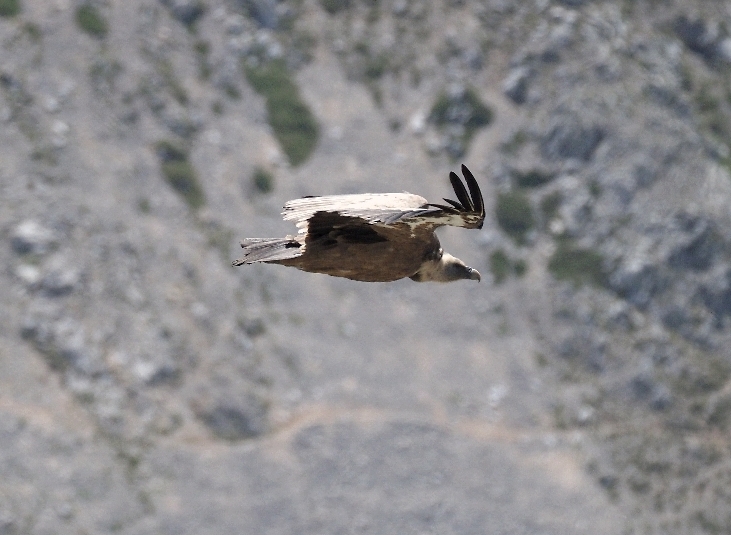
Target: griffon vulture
x=374 y=237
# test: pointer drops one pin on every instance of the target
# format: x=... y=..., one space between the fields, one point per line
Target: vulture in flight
x=374 y=237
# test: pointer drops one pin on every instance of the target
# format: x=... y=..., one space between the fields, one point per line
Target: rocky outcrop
x=142 y=380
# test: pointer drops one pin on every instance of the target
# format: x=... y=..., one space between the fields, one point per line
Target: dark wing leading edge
x=390 y=208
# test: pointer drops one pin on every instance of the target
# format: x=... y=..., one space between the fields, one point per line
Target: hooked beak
x=475 y=275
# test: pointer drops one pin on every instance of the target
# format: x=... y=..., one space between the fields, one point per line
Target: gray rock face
x=236 y=423
x=646 y=388
x=716 y=295
x=701 y=244
x=186 y=11
x=638 y=283
x=698 y=37
x=574 y=3
x=30 y=237
x=147 y=387
x=584 y=349
x=61 y=278
x=264 y=12
x=351 y=478
x=568 y=138
x=63 y=342
x=90 y=493
x=515 y=86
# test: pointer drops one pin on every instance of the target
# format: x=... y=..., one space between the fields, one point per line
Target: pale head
x=447 y=269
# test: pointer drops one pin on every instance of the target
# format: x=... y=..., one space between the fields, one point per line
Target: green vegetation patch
x=580 y=266
x=180 y=173
x=9 y=8
x=143 y=205
x=219 y=238
x=534 y=178
x=167 y=72
x=89 y=20
x=262 y=180
x=466 y=109
x=461 y=116
x=514 y=215
x=292 y=121
x=202 y=51
x=502 y=266
x=371 y=68
x=520 y=267
x=711 y=104
x=720 y=413
x=45 y=154
x=376 y=66
x=335 y=6
x=704 y=374
x=516 y=142
x=595 y=188
x=33 y=31
x=550 y=205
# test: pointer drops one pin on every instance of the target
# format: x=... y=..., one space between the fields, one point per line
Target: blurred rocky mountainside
x=146 y=386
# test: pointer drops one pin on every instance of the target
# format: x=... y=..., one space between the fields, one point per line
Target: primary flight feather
x=374 y=237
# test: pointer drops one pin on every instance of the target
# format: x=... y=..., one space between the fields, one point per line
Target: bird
x=374 y=237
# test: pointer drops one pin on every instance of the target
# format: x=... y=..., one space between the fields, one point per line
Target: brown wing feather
x=268 y=250
x=331 y=228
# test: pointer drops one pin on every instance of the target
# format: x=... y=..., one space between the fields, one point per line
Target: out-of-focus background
x=147 y=387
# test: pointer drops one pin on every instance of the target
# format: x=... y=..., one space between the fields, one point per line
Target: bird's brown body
x=380 y=261
x=373 y=237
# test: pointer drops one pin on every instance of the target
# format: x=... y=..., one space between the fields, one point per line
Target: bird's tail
x=268 y=250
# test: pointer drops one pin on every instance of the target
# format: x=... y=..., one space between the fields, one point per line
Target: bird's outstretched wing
x=390 y=208
x=373 y=208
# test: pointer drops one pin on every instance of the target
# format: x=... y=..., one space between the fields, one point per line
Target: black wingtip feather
x=475 y=193
x=460 y=191
x=445 y=208
x=457 y=205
